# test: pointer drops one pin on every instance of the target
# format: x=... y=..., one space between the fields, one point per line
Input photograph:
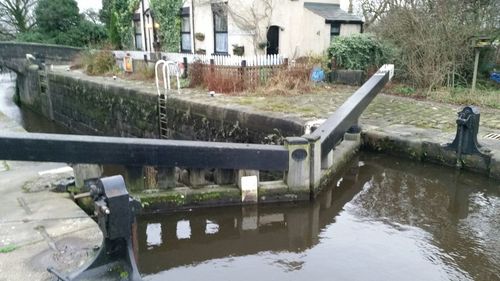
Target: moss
x=206 y=196
x=174 y=199
x=8 y=248
x=170 y=198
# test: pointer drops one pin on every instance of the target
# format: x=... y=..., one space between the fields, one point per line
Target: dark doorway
x=273 y=40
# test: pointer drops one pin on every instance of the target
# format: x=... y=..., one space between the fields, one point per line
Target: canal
x=29 y=120
x=382 y=218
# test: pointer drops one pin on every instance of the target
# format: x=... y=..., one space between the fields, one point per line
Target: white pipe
x=191 y=17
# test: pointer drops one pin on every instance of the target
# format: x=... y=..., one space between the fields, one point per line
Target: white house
x=290 y=27
x=145 y=29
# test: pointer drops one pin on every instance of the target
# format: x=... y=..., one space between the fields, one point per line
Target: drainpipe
x=153 y=40
x=143 y=22
x=191 y=16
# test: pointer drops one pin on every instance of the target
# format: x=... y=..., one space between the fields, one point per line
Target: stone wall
x=108 y=108
x=88 y=107
x=29 y=88
x=50 y=53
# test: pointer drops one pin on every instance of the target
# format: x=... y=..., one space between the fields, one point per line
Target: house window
x=334 y=30
x=220 y=28
x=185 y=32
x=137 y=32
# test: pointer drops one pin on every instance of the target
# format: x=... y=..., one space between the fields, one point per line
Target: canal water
x=383 y=218
x=30 y=121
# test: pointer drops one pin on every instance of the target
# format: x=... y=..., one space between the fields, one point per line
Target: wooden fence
x=232 y=78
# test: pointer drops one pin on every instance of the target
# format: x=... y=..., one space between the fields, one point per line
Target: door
x=273 y=40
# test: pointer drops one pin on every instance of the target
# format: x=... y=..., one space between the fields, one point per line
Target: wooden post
x=212 y=66
x=224 y=176
x=166 y=177
x=185 y=62
x=197 y=178
x=242 y=72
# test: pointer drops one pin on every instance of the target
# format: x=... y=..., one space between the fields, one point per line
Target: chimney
x=349 y=10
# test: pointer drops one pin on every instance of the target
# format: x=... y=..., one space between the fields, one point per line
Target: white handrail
x=158 y=63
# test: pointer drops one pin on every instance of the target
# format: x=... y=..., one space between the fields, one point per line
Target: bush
x=292 y=79
x=359 y=52
x=97 y=63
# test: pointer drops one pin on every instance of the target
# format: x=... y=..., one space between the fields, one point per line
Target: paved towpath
x=39 y=228
x=385 y=110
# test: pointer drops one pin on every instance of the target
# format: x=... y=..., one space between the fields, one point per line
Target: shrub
x=359 y=52
x=97 y=62
x=292 y=78
x=196 y=74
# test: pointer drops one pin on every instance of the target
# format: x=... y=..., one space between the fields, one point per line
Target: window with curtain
x=138 y=34
x=220 y=28
x=185 y=33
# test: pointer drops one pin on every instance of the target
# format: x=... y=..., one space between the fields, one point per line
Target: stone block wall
x=88 y=107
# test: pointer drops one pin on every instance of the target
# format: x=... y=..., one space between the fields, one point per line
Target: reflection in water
x=153 y=235
x=30 y=121
x=382 y=219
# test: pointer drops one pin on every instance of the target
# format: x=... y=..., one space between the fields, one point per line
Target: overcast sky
x=89 y=4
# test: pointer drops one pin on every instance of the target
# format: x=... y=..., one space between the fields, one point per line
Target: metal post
x=476 y=64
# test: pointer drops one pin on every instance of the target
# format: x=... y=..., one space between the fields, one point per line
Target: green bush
x=359 y=52
x=98 y=63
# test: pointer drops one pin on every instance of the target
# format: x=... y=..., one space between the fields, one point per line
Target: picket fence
x=258 y=60
x=220 y=60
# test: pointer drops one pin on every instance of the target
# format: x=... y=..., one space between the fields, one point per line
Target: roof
x=332 y=12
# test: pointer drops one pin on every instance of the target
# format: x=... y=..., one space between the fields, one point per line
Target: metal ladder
x=167 y=69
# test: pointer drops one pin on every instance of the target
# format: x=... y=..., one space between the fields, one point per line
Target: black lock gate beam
x=347 y=115
x=141 y=152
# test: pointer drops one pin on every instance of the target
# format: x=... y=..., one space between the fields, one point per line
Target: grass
x=463 y=96
x=8 y=248
x=487 y=94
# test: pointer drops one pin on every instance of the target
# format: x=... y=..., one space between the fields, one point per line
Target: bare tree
x=434 y=37
x=254 y=19
x=16 y=16
x=372 y=10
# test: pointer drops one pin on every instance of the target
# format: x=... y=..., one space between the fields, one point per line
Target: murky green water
x=383 y=219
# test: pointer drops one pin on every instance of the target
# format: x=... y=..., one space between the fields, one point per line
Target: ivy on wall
x=118 y=16
x=124 y=14
x=167 y=14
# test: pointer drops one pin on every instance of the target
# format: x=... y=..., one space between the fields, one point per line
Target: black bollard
x=465 y=141
x=115 y=214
